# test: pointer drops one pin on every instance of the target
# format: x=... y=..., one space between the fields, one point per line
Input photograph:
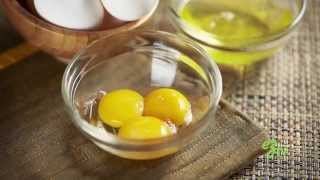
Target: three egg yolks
x=145 y=118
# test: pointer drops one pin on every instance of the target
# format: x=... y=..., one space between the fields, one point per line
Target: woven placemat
x=283 y=94
x=38 y=140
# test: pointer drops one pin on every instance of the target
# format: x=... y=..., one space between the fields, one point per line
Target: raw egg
x=168 y=104
x=144 y=127
x=120 y=106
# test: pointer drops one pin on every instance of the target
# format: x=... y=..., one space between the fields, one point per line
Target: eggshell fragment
x=73 y=14
x=129 y=10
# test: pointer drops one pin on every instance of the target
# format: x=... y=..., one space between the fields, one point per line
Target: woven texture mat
x=283 y=94
x=38 y=141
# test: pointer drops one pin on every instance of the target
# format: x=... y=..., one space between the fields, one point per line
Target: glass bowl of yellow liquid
x=146 y=74
x=238 y=32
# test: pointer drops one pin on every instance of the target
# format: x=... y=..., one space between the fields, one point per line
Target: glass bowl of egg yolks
x=142 y=95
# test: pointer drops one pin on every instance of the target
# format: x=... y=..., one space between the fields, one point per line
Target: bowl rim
x=16 y=6
x=261 y=44
x=154 y=144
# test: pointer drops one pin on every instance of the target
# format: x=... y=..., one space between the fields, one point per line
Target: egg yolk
x=145 y=127
x=117 y=107
x=168 y=104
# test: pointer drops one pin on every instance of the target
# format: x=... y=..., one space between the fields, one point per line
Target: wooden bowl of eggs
x=63 y=27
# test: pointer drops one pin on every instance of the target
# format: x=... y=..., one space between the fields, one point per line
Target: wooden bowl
x=58 y=41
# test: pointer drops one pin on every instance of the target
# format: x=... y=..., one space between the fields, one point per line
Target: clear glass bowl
x=238 y=32
x=141 y=61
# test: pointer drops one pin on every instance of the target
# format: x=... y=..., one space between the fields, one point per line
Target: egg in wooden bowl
x=62 y=42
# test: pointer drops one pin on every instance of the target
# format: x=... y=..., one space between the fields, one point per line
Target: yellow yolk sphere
x=168 y=104
x=117 y=107
x=145 y=127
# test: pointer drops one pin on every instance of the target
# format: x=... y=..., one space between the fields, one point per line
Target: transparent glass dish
x=141 y=61
x=238 y=32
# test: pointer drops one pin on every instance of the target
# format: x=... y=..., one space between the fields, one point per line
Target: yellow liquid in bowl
x=236 y=24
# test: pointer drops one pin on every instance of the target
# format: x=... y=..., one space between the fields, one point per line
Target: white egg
x=73 y=14
x=129 y=10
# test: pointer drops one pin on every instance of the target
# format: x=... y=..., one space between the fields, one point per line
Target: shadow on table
x=234 y=76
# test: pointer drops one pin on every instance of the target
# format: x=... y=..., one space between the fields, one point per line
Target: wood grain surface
x=16 y=54
x=55 y=40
